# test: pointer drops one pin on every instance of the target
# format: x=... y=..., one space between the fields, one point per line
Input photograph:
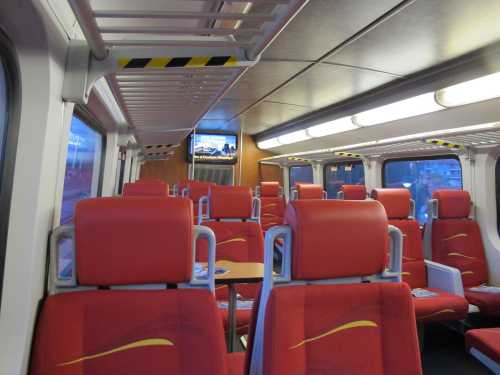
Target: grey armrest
x=444 y=277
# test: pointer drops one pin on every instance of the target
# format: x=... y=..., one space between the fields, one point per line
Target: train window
x=338 y=174
x=3 y=109
x=83 y=167
x=301 y=173
x=497 y=189
x=422 y=176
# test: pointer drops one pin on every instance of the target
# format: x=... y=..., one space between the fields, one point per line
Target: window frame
x=298 y=165
x=426 y=157
x=10 y=63
x=343 y=162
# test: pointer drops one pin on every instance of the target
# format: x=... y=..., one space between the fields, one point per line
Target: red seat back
x=131 y=241
x=398 y=209
x=272 y=205
x=317 y=329
x=456 y=239
x=196 y=190
x=143 y=189
x=236 y=240
x=353 y=192
x=309 y=191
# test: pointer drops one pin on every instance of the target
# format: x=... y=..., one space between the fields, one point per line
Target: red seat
x=442 y=307
x=131 y=332
x=339 y=326
x=196 y=190
x=143 y=189
x=484 y=344
x=272 y=205
x=353 y=192
x=237 y=241
x=457 y=242
x=309 y=191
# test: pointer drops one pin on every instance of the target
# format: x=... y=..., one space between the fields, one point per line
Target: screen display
x=213 y=148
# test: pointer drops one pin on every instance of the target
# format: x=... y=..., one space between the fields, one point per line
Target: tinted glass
x=301 y=173
x=83 y=165
x=422 y=177
x=338 y=174
x=3 y=110
x=497 y=188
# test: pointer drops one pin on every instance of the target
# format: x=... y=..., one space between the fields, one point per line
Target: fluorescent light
x=268 y=143
x=418 y=105
x=332 y=127
x=108 y=99
x=296 y=136
x=476 y=90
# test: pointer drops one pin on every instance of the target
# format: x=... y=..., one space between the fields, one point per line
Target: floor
x=444 y=353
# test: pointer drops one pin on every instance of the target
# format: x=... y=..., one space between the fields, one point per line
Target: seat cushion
x=486 y=340
x=236 y=363
x=457 y=243
x=341 y=329
x=129 y=333
x=443 y=307
x=237 y=241
x=488 y=303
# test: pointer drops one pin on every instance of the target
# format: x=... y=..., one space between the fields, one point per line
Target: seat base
x=484 y=344
x=488 y=303
x=443 y=307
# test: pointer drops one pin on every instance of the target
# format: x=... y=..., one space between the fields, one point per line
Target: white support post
x=128 y=164
x=110 y=165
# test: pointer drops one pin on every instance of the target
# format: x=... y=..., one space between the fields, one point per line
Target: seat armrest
x=444 y=277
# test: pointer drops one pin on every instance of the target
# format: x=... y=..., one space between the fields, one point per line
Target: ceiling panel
x=267 y=114
x=323 y=24
x=219 y=125
x=262 y=78
x=426 y=33
x=326 y=84
x=162 y=137
x=226 y=109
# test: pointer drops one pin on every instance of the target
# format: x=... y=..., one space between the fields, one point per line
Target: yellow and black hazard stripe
x=440 y=142
x=177 y=62
x=347 y=154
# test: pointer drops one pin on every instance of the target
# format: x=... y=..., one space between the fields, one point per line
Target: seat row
x=135 y=305
x=450 y=282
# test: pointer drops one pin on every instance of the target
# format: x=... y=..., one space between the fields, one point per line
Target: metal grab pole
x=85 y=17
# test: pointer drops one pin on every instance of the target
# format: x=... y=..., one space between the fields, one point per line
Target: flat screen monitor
x=213 y=148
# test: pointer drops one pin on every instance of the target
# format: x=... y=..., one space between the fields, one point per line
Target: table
x=239 y=272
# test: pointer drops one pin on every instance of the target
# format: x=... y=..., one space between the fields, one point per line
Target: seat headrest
x=198 y=189
x=143 y=189
x=452 y=204
x=137 y=240
x=395 y=201
x=337 y=238
x=354 y=192
x=269 y=189
x=309 y=191
x=230 y=202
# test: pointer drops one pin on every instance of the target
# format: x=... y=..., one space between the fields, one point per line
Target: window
x=344 y=173
x=9 y=129
x=301 y=173
x=497 y=189
x=83 y=167
x=422 y=176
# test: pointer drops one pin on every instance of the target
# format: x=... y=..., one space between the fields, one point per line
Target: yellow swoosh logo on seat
x=236 y=239
x=133 y=345
x=350 y=325
x=438 y=313
x=270 y=205
x=455 y=254
x=467 y=273
x=406 y=273
x=268 y=215
x=408 y=258
x=455 y=236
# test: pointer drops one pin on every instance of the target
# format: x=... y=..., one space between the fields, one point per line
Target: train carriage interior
x=249 y=187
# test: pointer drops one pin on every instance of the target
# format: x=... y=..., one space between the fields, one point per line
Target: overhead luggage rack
x=169 y=62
